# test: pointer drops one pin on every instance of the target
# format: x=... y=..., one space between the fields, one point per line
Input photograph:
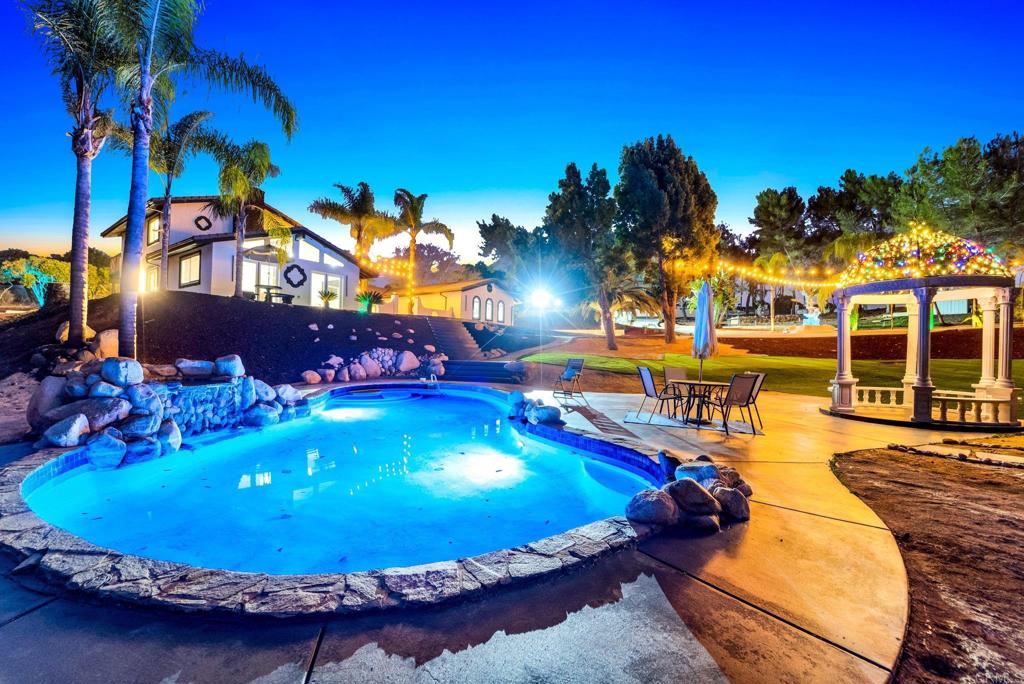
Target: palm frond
x=435 y=227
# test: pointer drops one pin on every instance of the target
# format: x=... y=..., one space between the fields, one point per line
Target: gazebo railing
x=879 y=396
x=967 y=407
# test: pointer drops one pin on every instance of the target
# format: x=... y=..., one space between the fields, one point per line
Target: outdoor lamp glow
x=541 y=298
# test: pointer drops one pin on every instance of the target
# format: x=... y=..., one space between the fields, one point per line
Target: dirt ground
x=15 y=391
x=960 y=528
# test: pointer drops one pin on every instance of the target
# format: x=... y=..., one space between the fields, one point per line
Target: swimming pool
x=376 y=479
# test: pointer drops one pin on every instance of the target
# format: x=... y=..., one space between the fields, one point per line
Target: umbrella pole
x=700 y=371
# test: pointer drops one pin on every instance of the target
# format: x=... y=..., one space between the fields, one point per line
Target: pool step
x=478 y=371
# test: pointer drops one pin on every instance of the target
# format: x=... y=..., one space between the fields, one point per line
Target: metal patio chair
x=668 y=395
x=757 y=391
x=739 y=395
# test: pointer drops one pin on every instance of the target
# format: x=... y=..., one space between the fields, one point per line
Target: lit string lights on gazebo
x=920 y=253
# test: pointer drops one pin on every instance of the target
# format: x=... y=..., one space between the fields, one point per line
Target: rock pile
x=107 y=406
x=532 y=411
x=376 y=363
x=702 y=494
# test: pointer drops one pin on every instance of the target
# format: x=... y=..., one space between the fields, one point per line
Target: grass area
x=792 y=374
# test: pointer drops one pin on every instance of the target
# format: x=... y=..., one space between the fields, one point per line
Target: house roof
x=458 y=286
x=155 y=206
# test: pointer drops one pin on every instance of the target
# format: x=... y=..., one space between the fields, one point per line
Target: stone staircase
x=464 y=363
x=452 y=338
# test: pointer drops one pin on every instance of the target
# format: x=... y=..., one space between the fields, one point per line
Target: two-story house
x=201 y=257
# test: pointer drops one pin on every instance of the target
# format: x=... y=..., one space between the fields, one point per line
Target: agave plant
x=369 y=299
x=327 y=296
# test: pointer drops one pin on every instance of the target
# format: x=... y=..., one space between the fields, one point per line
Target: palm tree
x=367 y=224
x=410 y=220
x=618 y=291
x=770 y=263
x=160 y=33
x=243 y=169
x=169 y=151
x=76 y=35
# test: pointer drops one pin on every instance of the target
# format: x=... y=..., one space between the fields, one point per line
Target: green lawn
x=792 y=374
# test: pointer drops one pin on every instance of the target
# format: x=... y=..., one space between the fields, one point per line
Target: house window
x=501 y=310
x=188 y=270
x=152 y=279
x=307 y=252
x=325 y=281
x=268 y=274
x=153 y=230
x=331 y=261
x=476 y=308
x=489 y=309
x=248 y=276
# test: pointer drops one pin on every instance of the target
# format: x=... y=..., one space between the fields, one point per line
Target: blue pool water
x=387 y=481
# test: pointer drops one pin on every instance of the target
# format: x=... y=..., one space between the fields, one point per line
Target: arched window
x=489 y=309
x=501 y=310
x=476 y=308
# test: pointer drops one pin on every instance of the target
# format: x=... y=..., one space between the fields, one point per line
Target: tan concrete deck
x=813 y=555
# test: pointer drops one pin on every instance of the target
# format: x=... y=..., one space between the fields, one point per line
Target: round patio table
x=699 y=392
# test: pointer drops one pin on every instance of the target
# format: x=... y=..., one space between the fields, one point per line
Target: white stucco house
x=202 y=257
x=484 y=300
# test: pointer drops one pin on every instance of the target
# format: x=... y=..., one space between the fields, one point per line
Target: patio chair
x=739 y=395
x=668 y=395
x=675 y=373
x=567 y=386
x=757 y=391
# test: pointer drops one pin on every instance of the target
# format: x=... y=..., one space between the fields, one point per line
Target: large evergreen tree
x=667 y=216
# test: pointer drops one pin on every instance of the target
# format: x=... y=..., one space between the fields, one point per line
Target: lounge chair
x=739 y=394
x=668 y=395
x=567 y=386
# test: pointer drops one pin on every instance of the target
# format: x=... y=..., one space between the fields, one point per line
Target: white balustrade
x=879 y=396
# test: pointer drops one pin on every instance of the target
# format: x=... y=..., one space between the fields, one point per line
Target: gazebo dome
x=921 y=253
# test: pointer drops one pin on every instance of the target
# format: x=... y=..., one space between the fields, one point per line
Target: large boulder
x=652 y=507
x=106 y=344
x=62 y=332
x=145 y=400
x=708 y=524
x=286 y=394
x=169 y=435
x=733 y=503
x=356 y=372
x=370 y=366
x=538 y=413
x=121 y=371
x=342 y=375
x=195 y=369
x=48 y=396
x=141 y=425
x=311 y=377
x=697 y=470
x=105 y=389
x=406 y=362
x=247 y=391
x=67 y=432
x=100 y=411
x=264 y=392
x=78 y=386
x=230 y=365
x=105 y=450
x=142 y=449
x=327 y=374
x=692 y=498
x=261 y=414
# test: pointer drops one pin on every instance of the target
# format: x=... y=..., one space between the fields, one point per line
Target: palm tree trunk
x=607 y=322
x=142 y=125
x=165 y=236
x=80 y=250
x=239 y=248
x=412 y=267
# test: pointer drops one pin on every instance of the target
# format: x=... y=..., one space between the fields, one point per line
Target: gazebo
x=916 y=269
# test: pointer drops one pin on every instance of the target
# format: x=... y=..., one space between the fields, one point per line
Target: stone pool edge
x=80 y=566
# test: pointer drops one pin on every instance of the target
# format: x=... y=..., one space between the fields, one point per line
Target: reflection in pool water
x=351 y=488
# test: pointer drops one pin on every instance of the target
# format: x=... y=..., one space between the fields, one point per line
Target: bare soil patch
x=960 y=528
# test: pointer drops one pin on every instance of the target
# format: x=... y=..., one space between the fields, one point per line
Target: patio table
x=268 y=291
x=699 y=392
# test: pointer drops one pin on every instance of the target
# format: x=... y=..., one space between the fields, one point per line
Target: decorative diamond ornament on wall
x=295 y=276
x=202 y=223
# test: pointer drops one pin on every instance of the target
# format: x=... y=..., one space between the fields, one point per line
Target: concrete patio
x=811 y=589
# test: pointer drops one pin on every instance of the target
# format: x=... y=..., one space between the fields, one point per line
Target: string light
x=922 y=252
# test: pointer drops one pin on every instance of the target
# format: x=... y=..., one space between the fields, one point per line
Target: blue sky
x=481 y=105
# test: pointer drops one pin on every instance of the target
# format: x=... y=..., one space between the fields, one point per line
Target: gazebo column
x=923 y=386
x=1004 y=380
x=910 y=373
x=988 y=344
x=844 y=384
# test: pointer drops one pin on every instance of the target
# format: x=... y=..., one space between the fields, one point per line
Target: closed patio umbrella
x=705 y=340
